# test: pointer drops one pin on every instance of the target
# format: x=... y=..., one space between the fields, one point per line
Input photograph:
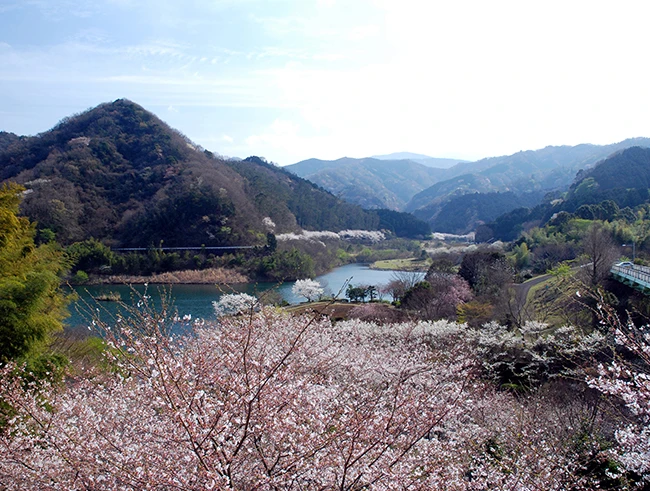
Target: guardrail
x=636 y=274
x=199 y=248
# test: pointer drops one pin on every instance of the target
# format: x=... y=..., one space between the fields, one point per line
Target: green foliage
x=45 y=236
x=285 y=265
x=522 y=256
x=356 y=293
x=32 y=305
x=79 y=278
x=561 y=271
x=403 y=224
x=90 y=256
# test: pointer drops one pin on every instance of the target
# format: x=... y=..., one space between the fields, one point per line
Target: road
x=522 y=289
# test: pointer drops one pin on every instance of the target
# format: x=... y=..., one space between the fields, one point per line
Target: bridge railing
x=199 y=248
x=640 y=274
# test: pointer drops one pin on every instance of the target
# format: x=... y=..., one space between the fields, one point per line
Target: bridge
x=638 y=277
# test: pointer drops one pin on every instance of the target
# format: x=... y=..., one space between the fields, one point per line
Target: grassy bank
x=410 y=264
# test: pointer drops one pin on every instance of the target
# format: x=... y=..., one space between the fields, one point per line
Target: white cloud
x=363 y=32
x=464 y=78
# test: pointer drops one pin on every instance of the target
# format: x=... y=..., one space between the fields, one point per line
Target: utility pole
x=633 y=249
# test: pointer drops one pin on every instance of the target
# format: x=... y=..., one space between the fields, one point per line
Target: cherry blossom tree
x=269 y=401
x=627 y=378
x=235 y=303
x=310 y=289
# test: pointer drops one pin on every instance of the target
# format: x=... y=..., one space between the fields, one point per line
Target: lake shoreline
x=211 y=276
x=227 y=276
x=197 y=299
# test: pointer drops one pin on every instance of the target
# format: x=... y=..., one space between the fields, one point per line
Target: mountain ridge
x=120 y=174
x=369 y=182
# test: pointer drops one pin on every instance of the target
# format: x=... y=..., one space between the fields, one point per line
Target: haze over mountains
x=515 y=180
x=420 y=159
x=617 y=188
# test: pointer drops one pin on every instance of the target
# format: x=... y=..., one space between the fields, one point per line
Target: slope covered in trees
x=540 y=171
x=402 y=184
x=6 y=139
x=119 y=174
x=462 y=214
x=369 y=182
x=611 y=190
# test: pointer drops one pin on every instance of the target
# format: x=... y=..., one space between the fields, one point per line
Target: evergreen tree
x=32 y=304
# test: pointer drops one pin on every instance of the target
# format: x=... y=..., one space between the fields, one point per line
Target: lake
x=196 y=300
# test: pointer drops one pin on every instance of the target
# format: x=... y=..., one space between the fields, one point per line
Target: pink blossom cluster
x=270 y=401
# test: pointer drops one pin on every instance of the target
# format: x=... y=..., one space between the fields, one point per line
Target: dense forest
x=615 y=189
x=116 y=176
x=116 y=173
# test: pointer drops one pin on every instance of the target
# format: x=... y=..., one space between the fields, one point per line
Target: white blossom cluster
x=319 y=236
x=269 y=224
x=533 y=353
x=310 y=289
x=235 y=303
x=631 y=384
x=362 y=235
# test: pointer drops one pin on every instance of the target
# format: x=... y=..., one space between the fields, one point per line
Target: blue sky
x=290 y=80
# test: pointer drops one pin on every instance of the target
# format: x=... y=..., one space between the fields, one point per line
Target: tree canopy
x=32 y=305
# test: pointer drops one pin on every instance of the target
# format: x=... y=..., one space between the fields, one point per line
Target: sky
x=294 y=79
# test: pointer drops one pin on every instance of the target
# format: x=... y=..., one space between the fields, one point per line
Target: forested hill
x=623 y=178
x=6 y=139
x=118 y=173
x=629 y=168
x=614 y=189
x=369 y=182
x=550 y=168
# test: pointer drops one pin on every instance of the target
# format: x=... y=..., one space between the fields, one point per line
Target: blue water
x=196 y=300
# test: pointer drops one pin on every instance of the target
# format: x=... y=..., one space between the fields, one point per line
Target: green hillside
x=118 y=173
x=548 y=169
x=611 y=190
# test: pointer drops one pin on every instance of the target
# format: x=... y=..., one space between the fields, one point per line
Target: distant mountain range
x=610 y=190
x=369 y=182
x=406 y=184
x=119 y=174
x=420 y=159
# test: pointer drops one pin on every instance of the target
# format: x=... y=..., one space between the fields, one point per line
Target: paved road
x=522 y=289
